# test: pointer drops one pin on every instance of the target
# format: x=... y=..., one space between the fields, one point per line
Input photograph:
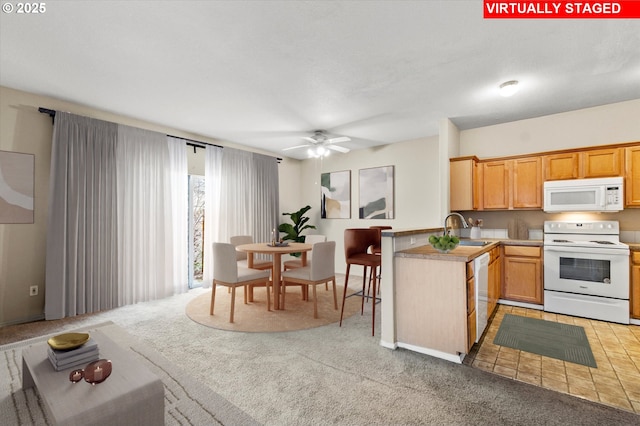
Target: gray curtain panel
x=81 y=261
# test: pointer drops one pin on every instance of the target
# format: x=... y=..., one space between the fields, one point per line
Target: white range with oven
x=586 y=270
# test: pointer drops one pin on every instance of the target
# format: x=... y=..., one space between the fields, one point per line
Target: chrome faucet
x=462 y=219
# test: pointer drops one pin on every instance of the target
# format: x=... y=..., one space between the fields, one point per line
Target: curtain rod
x=191 y=142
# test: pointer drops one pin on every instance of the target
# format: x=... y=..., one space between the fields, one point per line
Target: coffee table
x=130 y=395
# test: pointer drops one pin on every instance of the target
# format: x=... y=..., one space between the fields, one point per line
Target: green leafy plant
x=294 y=232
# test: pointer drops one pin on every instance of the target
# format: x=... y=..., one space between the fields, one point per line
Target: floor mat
x=552 y=339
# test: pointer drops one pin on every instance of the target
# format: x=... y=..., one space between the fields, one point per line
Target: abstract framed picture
x=16 y=187
x=335 y=197
x=376 y=193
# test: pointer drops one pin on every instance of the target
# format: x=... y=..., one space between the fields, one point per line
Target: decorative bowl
x=68 y=341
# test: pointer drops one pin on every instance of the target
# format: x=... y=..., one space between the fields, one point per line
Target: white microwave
x=584 y=195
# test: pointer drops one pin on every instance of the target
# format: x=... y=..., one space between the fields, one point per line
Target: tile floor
x=616 y=348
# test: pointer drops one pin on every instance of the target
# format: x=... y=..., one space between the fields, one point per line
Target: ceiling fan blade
x=295 y=147
x=339 y=139
x=339 y=148
x=312 y=140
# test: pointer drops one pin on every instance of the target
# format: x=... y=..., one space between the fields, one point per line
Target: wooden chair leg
x=335 y=298
x=315 y=303
x=233 y=303
x=283 y=289
x=213 y=298
x=268 y=296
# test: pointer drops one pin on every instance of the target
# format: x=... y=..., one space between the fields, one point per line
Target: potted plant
x=294 y=232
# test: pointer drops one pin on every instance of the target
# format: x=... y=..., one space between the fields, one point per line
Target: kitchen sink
x=474 y=242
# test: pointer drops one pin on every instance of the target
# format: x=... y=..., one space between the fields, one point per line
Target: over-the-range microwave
x=584 y=195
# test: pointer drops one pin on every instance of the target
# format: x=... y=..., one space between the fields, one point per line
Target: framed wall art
x=335 y=201
x=376 y=193
x=16 y=187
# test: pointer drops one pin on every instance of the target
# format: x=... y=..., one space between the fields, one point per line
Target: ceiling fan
x=320 y=144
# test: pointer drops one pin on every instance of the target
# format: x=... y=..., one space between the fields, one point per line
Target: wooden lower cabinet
x=472 y=325
x=494 y=276
x=635 y=284
x=522 y=276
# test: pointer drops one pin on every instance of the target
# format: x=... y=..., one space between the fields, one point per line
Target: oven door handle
x=587 y=250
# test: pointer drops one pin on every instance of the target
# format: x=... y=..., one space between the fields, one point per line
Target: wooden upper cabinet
x=601 y=163
x=511 y=184
x=632 y=176
x=463 y=184
x=527 y=183
x=561 y=166
x=584 y=164
x=495 y=184
x=516 y=182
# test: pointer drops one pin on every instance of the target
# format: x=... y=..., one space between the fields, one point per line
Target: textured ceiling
x=266 y=73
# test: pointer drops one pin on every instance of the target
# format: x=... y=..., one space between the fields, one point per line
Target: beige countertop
x=404 y=232
x=462 y=253
x=633 y=246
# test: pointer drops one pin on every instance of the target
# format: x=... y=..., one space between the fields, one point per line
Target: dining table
x=276 y=253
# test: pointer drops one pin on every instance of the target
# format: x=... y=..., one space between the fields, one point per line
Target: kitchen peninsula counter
x=427 y=298
x=462 y=253
x=459 y=254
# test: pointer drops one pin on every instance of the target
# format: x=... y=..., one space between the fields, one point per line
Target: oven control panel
x=593 y=227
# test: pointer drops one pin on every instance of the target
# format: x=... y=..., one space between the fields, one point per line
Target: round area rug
x=254 y=317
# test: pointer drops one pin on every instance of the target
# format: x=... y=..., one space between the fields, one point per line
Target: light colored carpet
x=334 y=375
x=254 y=317
x=187 y=401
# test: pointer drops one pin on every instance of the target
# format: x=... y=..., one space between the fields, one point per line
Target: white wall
x=603 y=125
x=417 y=194
x=22 y=247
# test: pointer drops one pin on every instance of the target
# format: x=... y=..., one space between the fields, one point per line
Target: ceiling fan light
x=508 y=88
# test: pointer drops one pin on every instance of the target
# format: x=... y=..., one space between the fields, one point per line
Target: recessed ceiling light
x=508 y=88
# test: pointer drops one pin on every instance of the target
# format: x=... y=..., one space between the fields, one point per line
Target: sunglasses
x=94 y=373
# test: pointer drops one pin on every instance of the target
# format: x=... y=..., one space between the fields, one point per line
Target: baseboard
x=434 y=353
x=634 y=321
x=34 y=318
x=521 y=304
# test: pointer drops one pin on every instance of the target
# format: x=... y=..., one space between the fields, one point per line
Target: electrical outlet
x=413 y=240
x=33 y=290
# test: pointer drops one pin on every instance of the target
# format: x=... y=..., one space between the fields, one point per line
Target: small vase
x=475 y=232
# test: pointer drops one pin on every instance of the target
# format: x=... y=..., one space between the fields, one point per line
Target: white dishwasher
x=481 y=274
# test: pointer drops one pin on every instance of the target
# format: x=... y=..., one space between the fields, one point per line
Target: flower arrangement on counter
x=477 y=222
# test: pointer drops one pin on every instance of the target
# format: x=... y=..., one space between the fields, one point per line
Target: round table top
x=268 y=248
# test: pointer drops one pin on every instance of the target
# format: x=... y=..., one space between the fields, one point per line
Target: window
x=196 y=229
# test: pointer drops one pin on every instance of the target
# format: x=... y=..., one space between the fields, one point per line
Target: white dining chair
x=320 y=271
x=297 y=263
x=308 y=239
x=228 y=273
x=241 y=256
